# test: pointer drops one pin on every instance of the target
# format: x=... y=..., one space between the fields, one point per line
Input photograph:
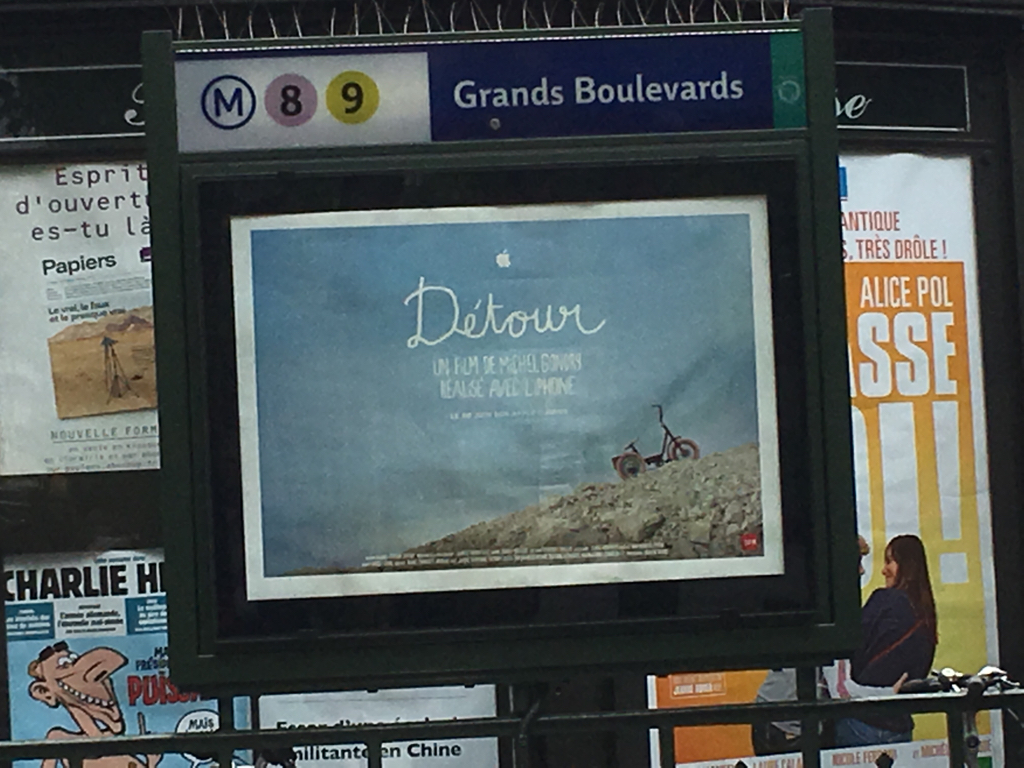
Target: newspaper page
x=77 y=360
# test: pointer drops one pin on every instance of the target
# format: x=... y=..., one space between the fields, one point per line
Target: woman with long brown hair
x=900 y=635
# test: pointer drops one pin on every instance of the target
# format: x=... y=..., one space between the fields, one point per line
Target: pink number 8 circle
x=290 y=100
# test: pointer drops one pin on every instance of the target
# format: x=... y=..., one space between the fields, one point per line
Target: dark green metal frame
x=303 y=662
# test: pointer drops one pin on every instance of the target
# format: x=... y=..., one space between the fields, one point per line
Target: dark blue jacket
x=896 y=640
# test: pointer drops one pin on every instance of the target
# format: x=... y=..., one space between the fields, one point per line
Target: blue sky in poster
x=360 y=454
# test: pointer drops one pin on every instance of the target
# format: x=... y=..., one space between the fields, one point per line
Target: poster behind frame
x=919 y=439
x=474 y=398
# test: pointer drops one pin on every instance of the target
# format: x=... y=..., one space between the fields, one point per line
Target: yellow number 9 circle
x=352 y=97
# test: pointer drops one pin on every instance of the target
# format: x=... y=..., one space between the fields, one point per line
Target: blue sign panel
x=455 y=91
x=601 y=86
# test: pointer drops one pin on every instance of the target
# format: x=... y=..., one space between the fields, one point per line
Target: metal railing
x=521 y=728
x=229 y=21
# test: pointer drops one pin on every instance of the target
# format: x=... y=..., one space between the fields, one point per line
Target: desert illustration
x=105 y=366
x=706 y=507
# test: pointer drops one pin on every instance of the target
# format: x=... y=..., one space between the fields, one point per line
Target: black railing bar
x=955 y=731
x=254 y=712
x=521 y=749
x=667 y=747
x=807 y=692
x=226 y=716
x=749 y=713
x=374 y=753
x=502 y=726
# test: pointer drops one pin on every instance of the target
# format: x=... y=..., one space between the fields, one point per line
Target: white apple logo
x=503 y=260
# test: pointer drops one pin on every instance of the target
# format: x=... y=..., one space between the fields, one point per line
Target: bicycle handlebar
x=925 y=685
x=947 y=680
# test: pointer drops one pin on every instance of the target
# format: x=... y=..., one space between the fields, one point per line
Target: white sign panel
x=312 y=710
x=336 y=100
x=78 y=386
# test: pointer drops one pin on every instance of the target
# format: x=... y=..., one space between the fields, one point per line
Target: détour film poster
x=919 y=447
x=473 y=398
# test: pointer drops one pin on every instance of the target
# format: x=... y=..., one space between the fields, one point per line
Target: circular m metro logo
x=228 y=102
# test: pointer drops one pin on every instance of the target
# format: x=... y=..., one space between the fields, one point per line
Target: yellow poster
x=917 y=414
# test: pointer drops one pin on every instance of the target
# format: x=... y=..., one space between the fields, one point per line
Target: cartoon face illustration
x=81 y=684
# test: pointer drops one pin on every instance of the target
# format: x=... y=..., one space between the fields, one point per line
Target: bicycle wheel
x=683 y=448
x=629 y=465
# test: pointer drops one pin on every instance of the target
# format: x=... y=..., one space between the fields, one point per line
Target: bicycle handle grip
x=926 y=685
x=976 y=685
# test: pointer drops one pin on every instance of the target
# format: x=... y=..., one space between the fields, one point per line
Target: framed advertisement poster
x=453 y=411
x=465 y=383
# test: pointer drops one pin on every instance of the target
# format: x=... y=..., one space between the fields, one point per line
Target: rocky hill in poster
x=692 y=508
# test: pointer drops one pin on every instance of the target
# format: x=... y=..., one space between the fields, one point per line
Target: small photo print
x=105 y=366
